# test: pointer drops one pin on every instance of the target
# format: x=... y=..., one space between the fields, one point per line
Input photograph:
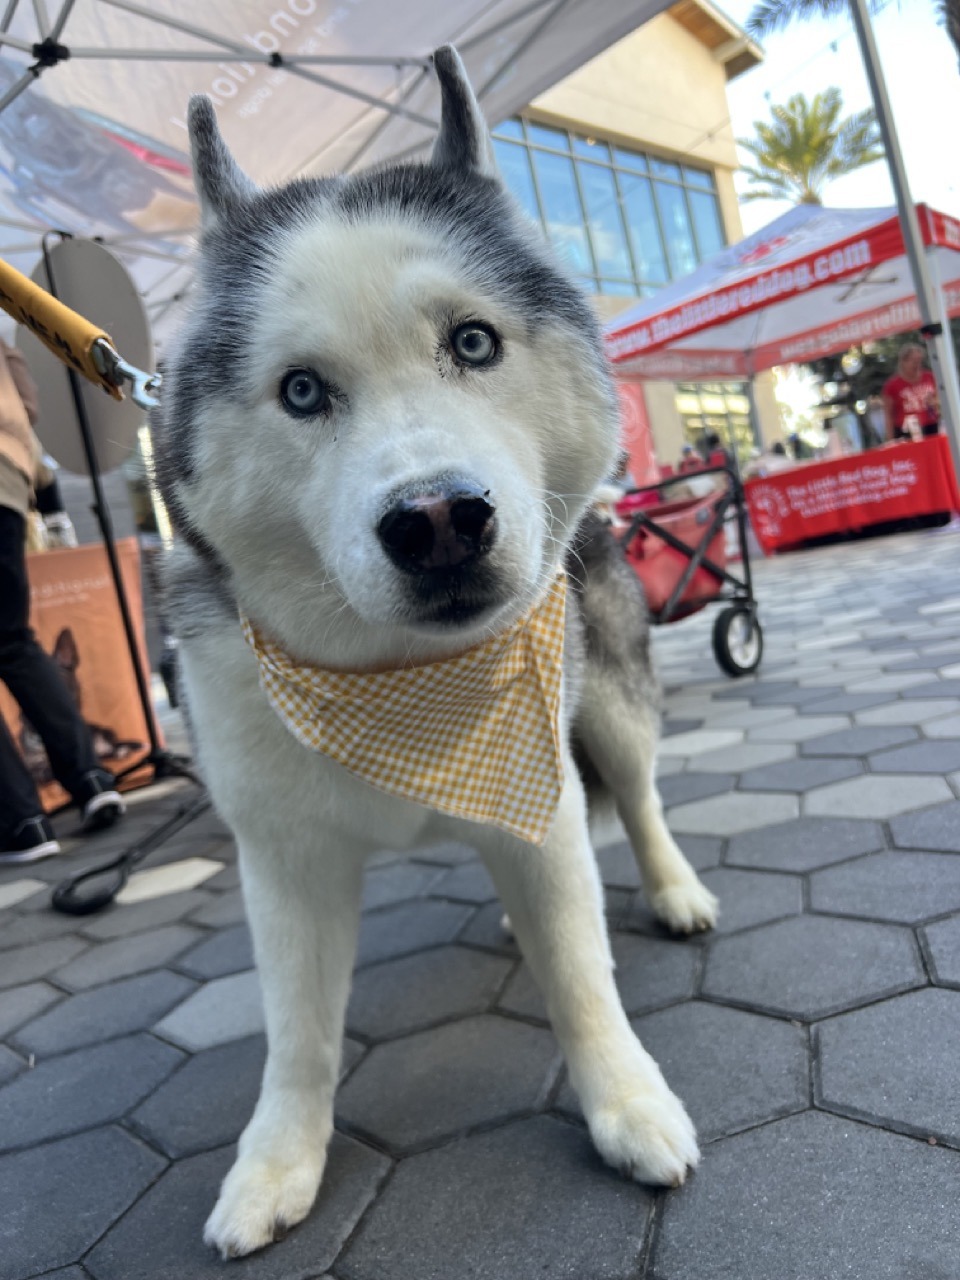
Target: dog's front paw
x=685 y=908
x=648 y=1136
x=260 y=1200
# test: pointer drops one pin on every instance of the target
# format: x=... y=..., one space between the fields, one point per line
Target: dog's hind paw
x=259 y=1202
x=648 y=1137
x=686 y=908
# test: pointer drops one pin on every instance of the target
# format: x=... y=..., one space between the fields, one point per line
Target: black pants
x=35 y=681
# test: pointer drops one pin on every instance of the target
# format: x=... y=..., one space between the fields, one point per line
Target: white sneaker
x=101 y=805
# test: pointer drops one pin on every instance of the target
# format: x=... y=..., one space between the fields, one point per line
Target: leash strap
x=78 y=343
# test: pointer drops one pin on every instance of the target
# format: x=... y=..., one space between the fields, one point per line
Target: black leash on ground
x=74 y=897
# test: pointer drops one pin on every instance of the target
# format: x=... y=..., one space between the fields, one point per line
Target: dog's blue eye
x=303 y=393
x=474 y=344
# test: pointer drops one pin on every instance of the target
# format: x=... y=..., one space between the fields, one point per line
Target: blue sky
x=923 y=79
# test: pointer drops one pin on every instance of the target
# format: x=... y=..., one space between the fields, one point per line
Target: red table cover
x=815 y=499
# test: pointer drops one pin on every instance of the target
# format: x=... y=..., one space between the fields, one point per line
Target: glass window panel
x=676 y=229
x=618 y=288
x=698 y=178
x=561 y=209
x=544 y=137
x=603 y=218
x=687 y=403
x=738 y=404
x=591 y=150
x=706 y=222
x=665 y=169
x=514 y=162
x=641 y=216
x=713 y=404
x=510 y=129
x=629 y=160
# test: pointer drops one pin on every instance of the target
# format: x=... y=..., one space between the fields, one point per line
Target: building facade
x=628 y=165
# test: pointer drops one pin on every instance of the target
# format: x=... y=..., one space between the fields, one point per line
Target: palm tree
x=806 y=145
x=772 y=15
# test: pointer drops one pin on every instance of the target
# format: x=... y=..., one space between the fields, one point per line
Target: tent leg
x=932 y=319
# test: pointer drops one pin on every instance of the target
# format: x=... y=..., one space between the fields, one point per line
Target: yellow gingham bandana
x=476 y=736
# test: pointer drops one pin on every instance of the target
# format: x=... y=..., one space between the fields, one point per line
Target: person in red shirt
x=910 y=396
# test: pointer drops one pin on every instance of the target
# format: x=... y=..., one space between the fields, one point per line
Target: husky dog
x=381 y=429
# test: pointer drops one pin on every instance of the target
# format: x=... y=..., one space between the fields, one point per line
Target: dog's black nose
x=444 y=527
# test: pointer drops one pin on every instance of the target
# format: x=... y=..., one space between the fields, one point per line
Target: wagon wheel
x=737 y=640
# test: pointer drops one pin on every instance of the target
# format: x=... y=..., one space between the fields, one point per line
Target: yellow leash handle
x=69 y=336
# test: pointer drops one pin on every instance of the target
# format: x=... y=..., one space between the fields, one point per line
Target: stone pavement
x=815 y=1037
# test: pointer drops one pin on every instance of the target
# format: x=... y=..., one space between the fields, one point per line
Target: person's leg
x=18 y=795
x=34 y=678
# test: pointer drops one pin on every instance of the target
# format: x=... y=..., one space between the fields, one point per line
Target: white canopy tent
x=93 y=95
x=811 y=283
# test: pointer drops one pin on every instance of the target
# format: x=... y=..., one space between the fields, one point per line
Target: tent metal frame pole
x=933 y=324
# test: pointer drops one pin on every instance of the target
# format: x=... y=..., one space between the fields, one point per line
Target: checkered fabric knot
x=476 y=736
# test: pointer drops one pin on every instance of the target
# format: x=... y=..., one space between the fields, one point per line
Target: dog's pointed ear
x=463 y=142
x=221 y=183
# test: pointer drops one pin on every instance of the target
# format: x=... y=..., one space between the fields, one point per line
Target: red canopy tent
x=813 y=282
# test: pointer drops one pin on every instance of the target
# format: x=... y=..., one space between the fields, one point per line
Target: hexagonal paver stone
x=222 y=909
x=947 y=727
x=650 y=973
x=618 y=865
x=731 y=1069
x=417 y=991
x=29 y=963
x=859 y=741
x=82 y=1089
x=206 y=1103
x=530 y=1199
x=691 y=744
x=15 y=891
x=937 y=828
x=752 y=897
x=86 y=1181
x=225 y=1009
x=684 y=787
x=701 y=852
x=876 y=797
x=118 y=922
x=486 y=930
x=904 y=887
x=920 y=757
x=943 y=949
x=896 y=1063
x=907 y=711
x=800 y=775
x=838 y=702
x=737 y=811
x=125 y=957
x=144 y=1247
x=411 y=1092
x=797 y=728
x=811 y=966
x=748 y=755
x=20 y=1004
x=112 y=1010
x=397 y=883
x=174 y=877
x=804 y=845
x=860 y=1187
x=10 y=1065
x=229 y=951
x=469 y=882
x=399 y=930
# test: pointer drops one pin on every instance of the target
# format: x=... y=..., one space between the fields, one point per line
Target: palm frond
x=773 y=15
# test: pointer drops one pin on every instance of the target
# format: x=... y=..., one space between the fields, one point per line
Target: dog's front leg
x=554 y=900
x=304 y=924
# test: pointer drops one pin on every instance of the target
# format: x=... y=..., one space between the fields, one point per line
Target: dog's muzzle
x=443 y=526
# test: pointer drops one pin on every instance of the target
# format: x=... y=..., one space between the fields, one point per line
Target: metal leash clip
x=114 y=369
